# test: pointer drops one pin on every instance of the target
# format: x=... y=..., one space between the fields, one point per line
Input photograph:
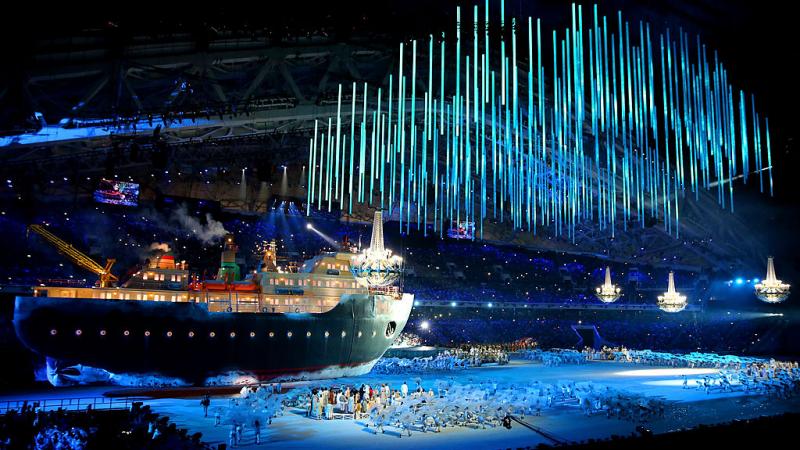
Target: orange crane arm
x=77 y=257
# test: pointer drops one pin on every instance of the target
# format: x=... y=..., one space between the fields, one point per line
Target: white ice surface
x=295 y=431
x=692 y=407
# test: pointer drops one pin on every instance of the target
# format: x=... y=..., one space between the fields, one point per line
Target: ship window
x=252 y=334
x=212 y=334
x=191 y=334
x=144 y=276
x=102 y=332
x=53 y=332
x=308 y=334
x=126 y=333
x=271 y=334
x=146 y=333
x=78 y=332
x=233 y=334
x=169 y=333
x=327 y=334
x=344 y=334
x=390 y=327
x=289 y=334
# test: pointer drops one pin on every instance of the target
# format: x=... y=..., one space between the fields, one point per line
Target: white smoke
x=161 y=247
x=209 y=232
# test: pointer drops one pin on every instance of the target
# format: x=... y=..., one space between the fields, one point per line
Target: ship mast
x=376 y=241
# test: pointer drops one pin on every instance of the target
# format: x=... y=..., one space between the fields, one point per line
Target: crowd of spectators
x=553 y=328
x=474 y=271
x=137 y=427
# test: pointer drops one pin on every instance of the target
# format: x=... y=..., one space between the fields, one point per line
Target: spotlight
x=425 y=325
x=309 y=226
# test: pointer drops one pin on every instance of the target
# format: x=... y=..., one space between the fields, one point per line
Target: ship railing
x=70 y=404
x=392 y=291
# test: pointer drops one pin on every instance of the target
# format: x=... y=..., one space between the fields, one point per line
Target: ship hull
x=91 y=340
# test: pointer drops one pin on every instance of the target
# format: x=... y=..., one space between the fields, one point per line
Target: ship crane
x=107 y=279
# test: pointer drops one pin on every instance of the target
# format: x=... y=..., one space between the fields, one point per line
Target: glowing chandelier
x=376 y=266
x=772 y=290
x=608 y=293
x=672 y=301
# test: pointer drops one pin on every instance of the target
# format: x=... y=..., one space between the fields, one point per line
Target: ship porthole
x=53 y=332
x=252 y=334
x=233 y=335
x=146 y=333
x=271 y=334
x=374 y=333
x=102 y=332
x=289 y=334
x=327 y=334
x=212 y=334
x=126 y=333
x=169 y=333
x=78 y=332
x=191 y=334
x=359 y=334
x=344 y=334
x=308 y=334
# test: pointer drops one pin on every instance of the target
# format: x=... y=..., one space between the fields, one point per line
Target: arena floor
x=689 y=407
